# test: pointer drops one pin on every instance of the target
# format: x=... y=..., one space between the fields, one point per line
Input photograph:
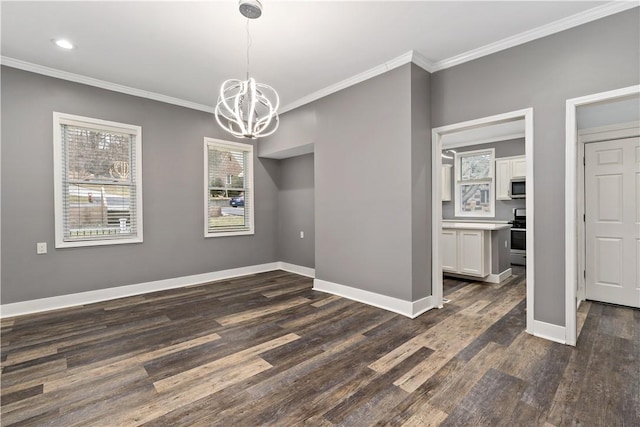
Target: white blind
x=99 y=188
x=229 y=192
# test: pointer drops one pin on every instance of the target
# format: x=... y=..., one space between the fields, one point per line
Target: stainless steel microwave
x=517 y=188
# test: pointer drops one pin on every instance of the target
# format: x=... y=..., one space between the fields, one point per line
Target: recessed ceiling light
x=65 y=44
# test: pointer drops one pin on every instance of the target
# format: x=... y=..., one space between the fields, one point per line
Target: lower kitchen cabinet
x=466 y=252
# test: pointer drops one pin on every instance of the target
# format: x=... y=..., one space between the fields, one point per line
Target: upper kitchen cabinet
x=508 y=168
x=446 y=182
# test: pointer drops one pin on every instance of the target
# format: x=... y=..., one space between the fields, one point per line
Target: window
x=475 y=186
x=97 y=182
x=228 y=173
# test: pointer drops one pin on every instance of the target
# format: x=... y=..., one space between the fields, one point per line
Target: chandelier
x=245 y=108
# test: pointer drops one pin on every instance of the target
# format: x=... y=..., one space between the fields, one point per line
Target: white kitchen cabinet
x=503 y=176
x=508 y=168
x=518 y=167
x=466 y=252
x=449 y=243
x=446 y=182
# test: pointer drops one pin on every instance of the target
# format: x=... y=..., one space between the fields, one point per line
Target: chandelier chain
x=249 y=42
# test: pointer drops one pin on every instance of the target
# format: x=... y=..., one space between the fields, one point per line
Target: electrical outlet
x=505 y=243
x=302 y=234
x=41 y=248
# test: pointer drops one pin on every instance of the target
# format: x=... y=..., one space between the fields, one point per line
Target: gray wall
x=294 y=136
x=296 y=211
x=595 y=57
x=173 y=245
x=500 y=252
x=363 y=185
x=504 y=208
x=372 y=174
x=420 y=183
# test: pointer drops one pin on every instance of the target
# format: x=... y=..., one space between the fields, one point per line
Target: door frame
x=574 y=202
x=436 y=199
x=586 y=136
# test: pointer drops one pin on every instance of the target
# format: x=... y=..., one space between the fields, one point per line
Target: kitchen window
x=97 y=181
x=228 y=198
x=475 y=186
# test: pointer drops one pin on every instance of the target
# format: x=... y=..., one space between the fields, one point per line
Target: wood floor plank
x=262 y=311
x=428 y=416
x=81 y=376
x=459 y=385
x=325 y=301
x=491 y=402
x=167 y=402
x=284 y=354
x=221 y=364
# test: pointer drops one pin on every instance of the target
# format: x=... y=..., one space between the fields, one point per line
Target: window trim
x=60 y=119
x=249 y=198
x=459 y=181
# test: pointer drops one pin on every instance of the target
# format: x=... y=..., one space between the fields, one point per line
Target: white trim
x=571 y=194
x=351 y=81
x=490 y=278
x=89 y=297
x=421 y=306
x=405 y=308
x=484 y=140
x=421 y=61
x=60 y=119
x=436 y=218
x=417 y=58
x=610 y=132
x=248 y=175
x=549 y=331
x=581 y=18
x=497 y=278
x=529 y=205
x=436 y=199
x=77 y=78
x=297 y=269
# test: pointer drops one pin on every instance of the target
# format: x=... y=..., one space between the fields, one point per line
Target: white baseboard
x=64 y=301
x=549 y=331
x=297 y=269
x=406 y=308
x=410 y=309
x=497 y=278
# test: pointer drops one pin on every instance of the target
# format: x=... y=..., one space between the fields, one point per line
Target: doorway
x=575 y=245
x=438 y=134
x=611 y=228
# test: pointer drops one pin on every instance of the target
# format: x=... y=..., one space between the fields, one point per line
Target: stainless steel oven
x=519 y=237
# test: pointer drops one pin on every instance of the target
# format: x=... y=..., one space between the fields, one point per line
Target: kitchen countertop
x=491 y=226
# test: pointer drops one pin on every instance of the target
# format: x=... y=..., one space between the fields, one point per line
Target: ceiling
x=181 y=52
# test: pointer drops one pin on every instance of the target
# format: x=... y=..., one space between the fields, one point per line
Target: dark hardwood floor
x=268 y=350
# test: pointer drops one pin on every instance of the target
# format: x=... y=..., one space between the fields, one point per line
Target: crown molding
x=358 y=78
x=421 y=61
x=78 y=78
x=593 y=14
x=408 y=57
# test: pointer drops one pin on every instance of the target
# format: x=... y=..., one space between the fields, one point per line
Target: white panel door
x=612 y=194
